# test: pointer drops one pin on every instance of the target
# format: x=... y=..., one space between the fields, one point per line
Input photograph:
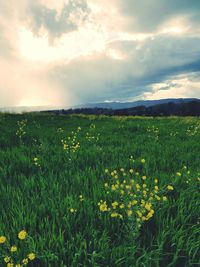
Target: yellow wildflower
x=114 y=214
x=22 y=235
x=116 y=186
x=170 y=187
x=129 y=205
x=65 y=146
x=115 y=204
x=148 y=206
x=138 y=187
x=13 y=249
x=164 y=198
x=2 y=239
x=120 y=216
x=7 y=259
x=150 y=214
x=144 y=218
x=139 y=213
x=157 y=197
x=31 y=256
x=25 y=261
x=72 y=210
x=81 y=197
x=134 y=202
x=113 y=187
x=129 y=212
x=103 y=206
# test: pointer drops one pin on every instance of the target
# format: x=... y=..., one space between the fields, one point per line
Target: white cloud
x=83 y=42
x=180 y=86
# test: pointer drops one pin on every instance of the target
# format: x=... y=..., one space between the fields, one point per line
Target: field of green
x=99 y=191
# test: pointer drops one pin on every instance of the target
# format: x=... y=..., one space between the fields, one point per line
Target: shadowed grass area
x=52 y=173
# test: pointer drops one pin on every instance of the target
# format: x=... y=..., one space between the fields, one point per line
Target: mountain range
x=145 y=103
x=104 y=105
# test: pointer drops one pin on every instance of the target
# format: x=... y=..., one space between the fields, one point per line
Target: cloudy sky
x=67 y=52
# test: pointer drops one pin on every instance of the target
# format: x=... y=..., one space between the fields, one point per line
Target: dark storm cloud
x=156 y=60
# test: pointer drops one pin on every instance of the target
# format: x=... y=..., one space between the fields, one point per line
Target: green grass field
x=100 y=191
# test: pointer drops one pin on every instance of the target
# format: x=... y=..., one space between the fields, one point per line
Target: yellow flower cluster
x=12 y=260
x=103 y=206
x=81 y=197
x=71 y=144
x=92 y=136
x=131 y=195
x=60 y=130
x=36 y=161
x=184 y=175
x=72 y=210
x=131 y=159
x=193 y=129
x=153 y=131
x=21 y=128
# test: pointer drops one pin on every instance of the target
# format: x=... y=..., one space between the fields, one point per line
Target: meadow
x=99 y=191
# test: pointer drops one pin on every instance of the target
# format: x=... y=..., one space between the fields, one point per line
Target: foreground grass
x=51 y=188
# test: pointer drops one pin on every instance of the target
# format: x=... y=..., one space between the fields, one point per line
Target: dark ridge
x=191 y=108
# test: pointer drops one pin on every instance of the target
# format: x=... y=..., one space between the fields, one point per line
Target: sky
x=70 y=52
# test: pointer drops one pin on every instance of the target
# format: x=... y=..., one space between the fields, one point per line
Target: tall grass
x=41 y=181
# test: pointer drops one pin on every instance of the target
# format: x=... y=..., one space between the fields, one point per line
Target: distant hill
x=179 y=108
x=100 y=106
x=145 y=103
x=191 y=108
